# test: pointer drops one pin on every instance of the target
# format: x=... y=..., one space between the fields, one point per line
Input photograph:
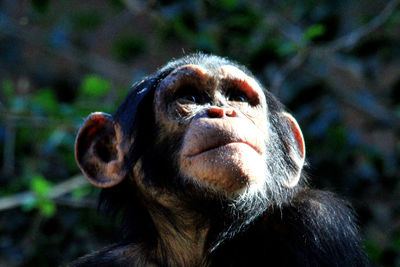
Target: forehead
x=211 y=74
x=216 y=72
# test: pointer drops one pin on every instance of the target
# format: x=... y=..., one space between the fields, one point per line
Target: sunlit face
x=222 y=115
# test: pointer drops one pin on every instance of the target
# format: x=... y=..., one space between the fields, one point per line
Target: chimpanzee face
x=222 y=115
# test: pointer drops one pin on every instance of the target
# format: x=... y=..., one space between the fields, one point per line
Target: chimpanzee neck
x=182 y=237
x=188 y=232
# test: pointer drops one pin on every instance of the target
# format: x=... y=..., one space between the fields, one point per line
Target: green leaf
x=286 y=48
x=128 y=46
x=95 y=86
x=373 y=249
x=117 y=4
x=314 y=31
x=46 y=99
x=40 y=186
x=47 y=208
x=81 y=192
x=8 y=88
x=228 y=4
x=88 y=20
x=338 y=136
x=396 y=241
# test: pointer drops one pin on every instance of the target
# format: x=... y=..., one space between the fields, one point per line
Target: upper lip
x=211 y=147
x=219 y=143
x=206 y=134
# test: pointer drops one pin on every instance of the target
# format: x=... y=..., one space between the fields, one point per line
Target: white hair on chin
x=272 y=192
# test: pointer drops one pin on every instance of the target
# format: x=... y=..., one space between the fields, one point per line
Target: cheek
x=169 y=124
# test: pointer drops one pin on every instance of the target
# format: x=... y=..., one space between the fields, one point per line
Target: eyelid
x=244 y=87
x=188 y=90
x=235 y=94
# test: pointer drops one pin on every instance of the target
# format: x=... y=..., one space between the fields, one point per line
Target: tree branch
x=294 y=34
x=294 y=63
x=325 y=52
x=56 y=191
x=350 y=40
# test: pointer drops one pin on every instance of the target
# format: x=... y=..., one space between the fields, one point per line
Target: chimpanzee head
x=201 y=128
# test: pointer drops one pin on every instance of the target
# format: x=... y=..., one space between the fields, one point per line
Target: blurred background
x=334 y=64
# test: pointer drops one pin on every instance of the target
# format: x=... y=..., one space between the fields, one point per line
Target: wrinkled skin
x=222 y=116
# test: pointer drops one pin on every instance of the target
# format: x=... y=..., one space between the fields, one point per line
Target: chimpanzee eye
x=190 y=98
x=188 y=94
x=237 y=95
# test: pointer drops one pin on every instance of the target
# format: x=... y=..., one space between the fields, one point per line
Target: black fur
x=300 y=227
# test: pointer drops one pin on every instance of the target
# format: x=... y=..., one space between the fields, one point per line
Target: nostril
x=230 y=112
x=215 y=112
x=219 y=112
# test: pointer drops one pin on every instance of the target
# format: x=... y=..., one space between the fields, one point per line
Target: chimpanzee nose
x=219 y=112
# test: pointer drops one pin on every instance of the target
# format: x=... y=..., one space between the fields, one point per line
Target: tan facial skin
x=222 y=114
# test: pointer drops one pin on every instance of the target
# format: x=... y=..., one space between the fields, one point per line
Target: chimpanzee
x=204 y=168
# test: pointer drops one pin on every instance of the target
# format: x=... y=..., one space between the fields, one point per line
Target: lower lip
x=230 y=146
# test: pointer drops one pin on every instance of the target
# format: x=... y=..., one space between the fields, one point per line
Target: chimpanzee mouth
x=231 y=145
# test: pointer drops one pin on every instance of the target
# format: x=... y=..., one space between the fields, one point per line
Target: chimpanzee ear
x=98 y=150
x=297 y=149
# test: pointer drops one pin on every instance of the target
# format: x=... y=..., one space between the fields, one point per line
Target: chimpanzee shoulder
x=316 y=228
x=116 y=255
